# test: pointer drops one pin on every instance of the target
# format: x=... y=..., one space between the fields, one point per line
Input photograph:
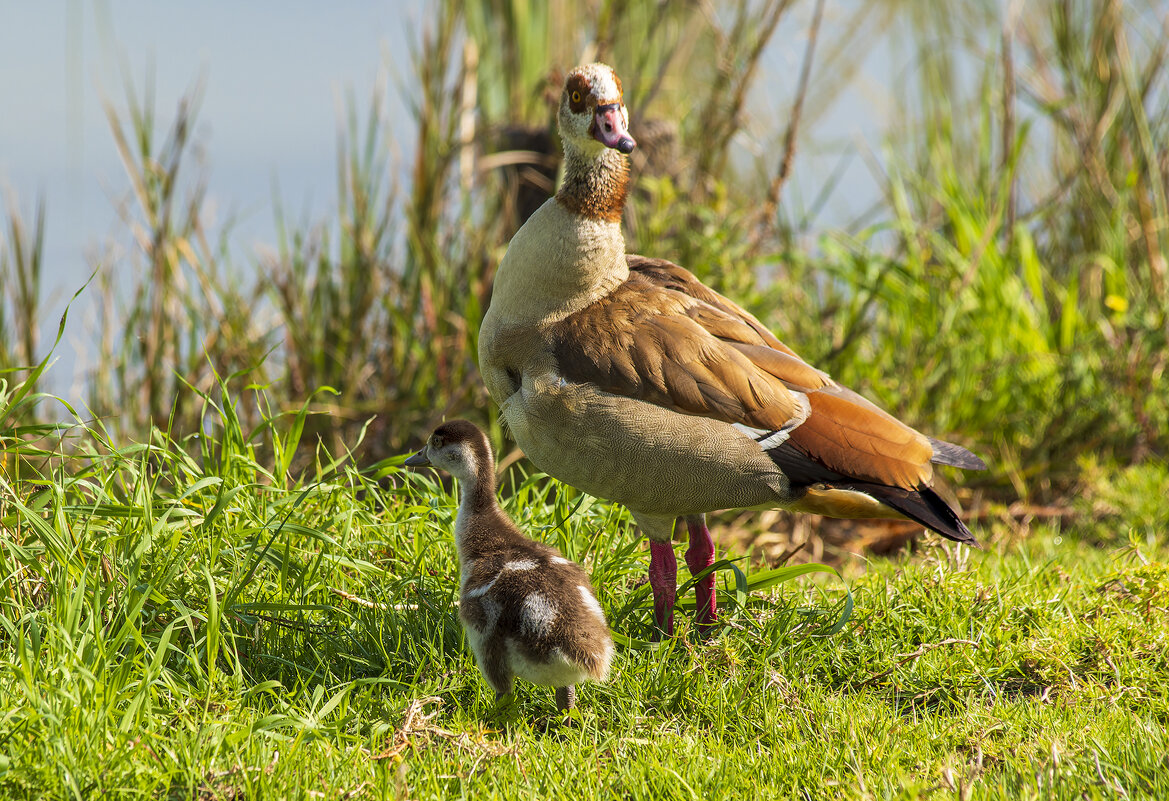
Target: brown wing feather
x=668 y=275
x=791 y=370
x=666 y=338
x=641 y=342
x=845 y=432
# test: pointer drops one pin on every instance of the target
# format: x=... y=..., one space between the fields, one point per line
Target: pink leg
x=699 y=556
x=663 y=578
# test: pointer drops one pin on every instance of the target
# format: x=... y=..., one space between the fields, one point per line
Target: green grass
x=183 y=620
x=220 y=588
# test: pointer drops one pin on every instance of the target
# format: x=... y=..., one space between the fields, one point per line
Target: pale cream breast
x=557 y=671
x=556 y=264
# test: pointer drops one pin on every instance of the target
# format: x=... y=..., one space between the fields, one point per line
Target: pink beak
x=609 y=128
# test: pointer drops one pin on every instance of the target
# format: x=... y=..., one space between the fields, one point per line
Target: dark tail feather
x=921 y=505
x=955 y=455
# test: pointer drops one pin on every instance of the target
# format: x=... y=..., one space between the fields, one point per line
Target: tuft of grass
x=1032 y=210
x=181 y=619
x=21 y=267
x=1125 y=503
x=163 y=600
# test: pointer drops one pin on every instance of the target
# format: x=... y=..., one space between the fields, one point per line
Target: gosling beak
x=609 y=128
x=418 y=460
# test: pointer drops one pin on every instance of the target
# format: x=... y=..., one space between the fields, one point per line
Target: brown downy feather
x=574 y=629
x=527 y=610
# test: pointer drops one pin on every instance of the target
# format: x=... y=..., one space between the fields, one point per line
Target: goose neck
x=595 y=185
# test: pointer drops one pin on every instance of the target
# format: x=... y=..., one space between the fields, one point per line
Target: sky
x=274 y=74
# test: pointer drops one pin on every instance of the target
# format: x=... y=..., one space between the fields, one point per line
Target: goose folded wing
x=668 y=275
x=665 y=338
x=674 y=351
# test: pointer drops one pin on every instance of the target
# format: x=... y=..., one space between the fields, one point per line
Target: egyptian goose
x=626 y=377
x=527 y=610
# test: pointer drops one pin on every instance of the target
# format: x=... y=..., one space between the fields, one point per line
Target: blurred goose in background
x=626 y=377
x=527 y=610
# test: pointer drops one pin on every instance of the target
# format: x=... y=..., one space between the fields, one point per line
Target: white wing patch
x=769 y=439
x=538 y=615
x=465 y=572
x=482 y=589
x=520 y=564
x=491 y=612
x=591 y=602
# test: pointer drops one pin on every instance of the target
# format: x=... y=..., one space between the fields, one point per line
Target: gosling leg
x=565 y=698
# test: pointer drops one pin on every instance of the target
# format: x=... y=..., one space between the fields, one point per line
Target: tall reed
x=21 y=267
x=1010 y=292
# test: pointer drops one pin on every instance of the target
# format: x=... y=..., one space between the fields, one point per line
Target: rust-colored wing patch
x=845 y=432
x=857 y=442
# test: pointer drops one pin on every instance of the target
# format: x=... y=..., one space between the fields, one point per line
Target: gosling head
x=592 y=112
x=458 y=447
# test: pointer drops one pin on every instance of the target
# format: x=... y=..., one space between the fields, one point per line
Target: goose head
x=593 y=116
x=459 y=448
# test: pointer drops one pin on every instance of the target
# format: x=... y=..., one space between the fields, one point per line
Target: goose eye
x=576 y=97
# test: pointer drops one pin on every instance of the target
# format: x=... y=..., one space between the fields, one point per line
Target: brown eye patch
x=576 y=90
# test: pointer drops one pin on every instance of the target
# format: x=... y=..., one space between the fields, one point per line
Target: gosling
x=527 y=610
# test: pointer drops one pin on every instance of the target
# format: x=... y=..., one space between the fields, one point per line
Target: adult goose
x=626 y=377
